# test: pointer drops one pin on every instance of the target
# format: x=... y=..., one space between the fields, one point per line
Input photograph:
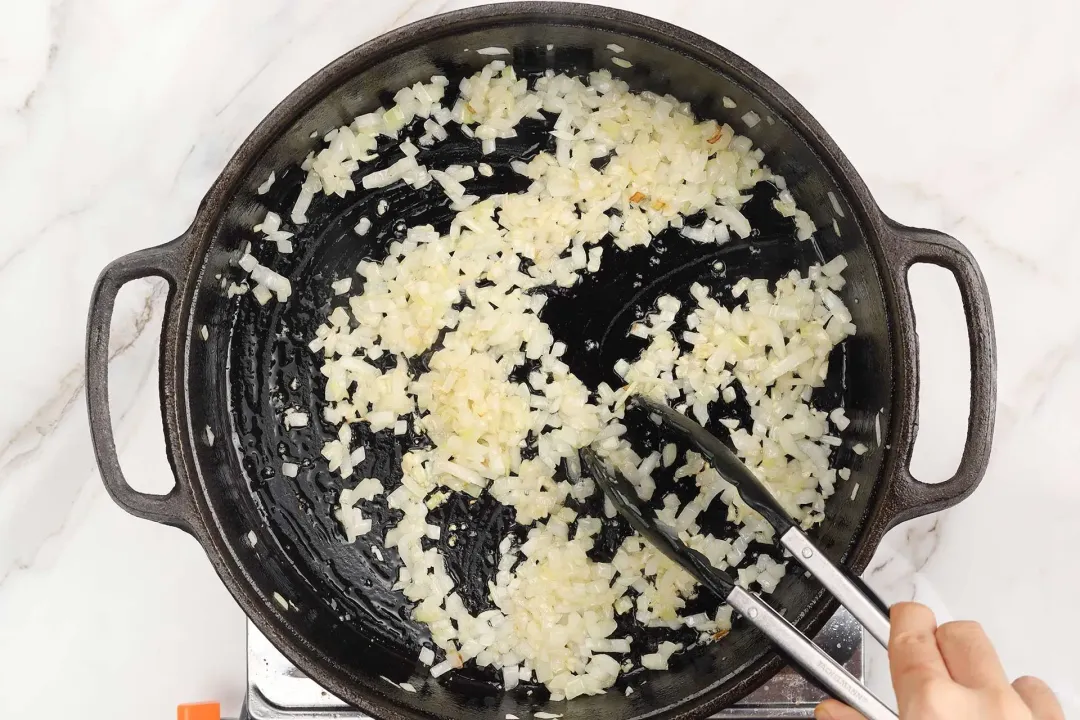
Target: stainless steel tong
x=863 y=604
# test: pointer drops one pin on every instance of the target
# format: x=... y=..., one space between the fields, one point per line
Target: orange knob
x=199 y=711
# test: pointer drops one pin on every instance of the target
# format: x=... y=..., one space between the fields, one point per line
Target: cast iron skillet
x=343 y=627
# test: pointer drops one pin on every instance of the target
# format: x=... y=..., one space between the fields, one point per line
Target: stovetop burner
x=277 y=690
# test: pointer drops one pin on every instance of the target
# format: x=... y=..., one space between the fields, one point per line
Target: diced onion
x=460 y=299
x=265 y=187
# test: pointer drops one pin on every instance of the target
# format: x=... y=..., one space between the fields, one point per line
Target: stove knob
x=199 y=711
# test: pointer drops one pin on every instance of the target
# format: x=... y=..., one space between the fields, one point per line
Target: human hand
x=951 y=672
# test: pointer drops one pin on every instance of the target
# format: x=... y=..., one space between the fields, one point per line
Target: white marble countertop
x=115 y=117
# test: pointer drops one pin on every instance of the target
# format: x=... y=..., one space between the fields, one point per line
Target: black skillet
x=343 y=626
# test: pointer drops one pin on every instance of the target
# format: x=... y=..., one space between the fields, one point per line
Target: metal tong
x=863 y=604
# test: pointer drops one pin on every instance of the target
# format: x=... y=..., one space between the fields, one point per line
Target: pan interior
x=255 y=364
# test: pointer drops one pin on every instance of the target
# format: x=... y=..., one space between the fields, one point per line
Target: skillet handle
x=908 y=247
x=162 y=261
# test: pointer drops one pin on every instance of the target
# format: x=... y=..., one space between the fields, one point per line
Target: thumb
x=836 y=710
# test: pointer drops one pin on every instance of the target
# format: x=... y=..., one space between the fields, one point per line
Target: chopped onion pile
x=267 y=282
x=270 y=227
x=776 y=348
x=468 y=295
